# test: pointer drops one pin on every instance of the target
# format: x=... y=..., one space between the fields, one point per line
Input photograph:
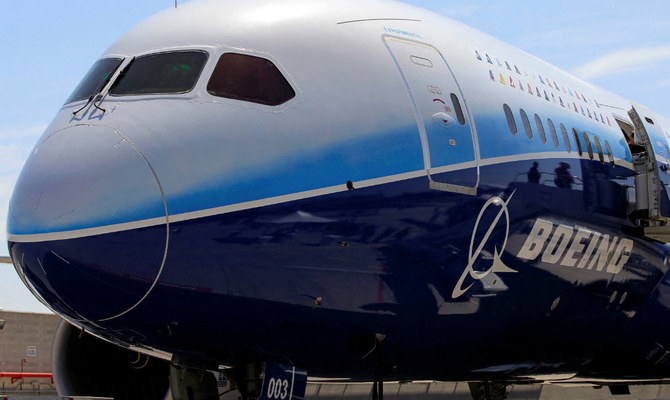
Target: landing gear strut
x=192 y=384
x=378 y=381
x=488 y=390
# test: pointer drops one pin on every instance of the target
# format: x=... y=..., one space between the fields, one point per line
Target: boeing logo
x=498 y=266
x=558 y=245
x=576 y=247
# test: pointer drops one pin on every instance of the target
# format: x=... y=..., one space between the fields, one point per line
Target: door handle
x=444 y=120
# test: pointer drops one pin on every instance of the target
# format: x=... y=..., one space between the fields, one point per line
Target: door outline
x=655 y=143
x=442 y=186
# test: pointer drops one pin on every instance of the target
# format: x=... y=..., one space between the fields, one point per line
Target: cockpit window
x=249 y=78
x=96 y=78
x=172 y=72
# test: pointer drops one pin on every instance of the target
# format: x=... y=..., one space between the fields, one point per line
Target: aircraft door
x=653 y=174
x=450 y=150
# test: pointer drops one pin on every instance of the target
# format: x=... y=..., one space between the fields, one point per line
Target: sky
x=48 y=46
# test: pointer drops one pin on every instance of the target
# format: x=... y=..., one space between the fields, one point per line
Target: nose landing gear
x=255 y=381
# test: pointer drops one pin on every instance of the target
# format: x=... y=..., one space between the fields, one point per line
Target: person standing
x=534 y=174
x=563 y=178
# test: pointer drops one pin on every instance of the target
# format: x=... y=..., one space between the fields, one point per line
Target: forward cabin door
x=448 y=137
x=653 y=178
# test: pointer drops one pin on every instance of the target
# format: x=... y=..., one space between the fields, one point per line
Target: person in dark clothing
x=563 y=178
x=534 y=174
x=634 y=147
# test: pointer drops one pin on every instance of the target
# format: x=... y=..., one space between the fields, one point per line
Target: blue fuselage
x=478 y=216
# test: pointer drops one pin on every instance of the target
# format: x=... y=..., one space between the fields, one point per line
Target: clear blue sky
x=49 y=45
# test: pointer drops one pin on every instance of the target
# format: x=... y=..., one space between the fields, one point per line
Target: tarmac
x=461 y=391
x=25 y=345
x=441 y=391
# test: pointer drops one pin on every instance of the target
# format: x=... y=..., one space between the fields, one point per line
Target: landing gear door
x=448 y=137
x=650 y=134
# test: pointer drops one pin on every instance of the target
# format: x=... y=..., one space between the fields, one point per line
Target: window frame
x=526 y=123
x=566 y=138
x=540 y=129
x=262 y=56
x=511 y=121
x=100 y=86
x=454 y=101
x=599 y=149
x=610 y=154
x=580 y=151
x=587 y=141
x=554 y=134
x=127 y=67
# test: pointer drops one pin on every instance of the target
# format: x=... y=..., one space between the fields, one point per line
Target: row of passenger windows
x=539 y=125
x=236 y=76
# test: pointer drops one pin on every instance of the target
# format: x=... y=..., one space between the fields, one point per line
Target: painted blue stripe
x=384 y=154
x=371 y=156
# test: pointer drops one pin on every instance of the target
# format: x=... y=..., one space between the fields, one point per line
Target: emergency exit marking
x=31 y=351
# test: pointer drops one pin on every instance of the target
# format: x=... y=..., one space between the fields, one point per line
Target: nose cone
x=87 y=223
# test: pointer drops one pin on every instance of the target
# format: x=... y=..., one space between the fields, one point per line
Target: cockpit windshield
x=249 y=78
x=169 y=72
x=96 y=78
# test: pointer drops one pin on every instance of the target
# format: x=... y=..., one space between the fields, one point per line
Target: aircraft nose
x=87 y=223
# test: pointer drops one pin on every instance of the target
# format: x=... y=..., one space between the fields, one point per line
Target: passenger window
x=589 y=148
x=510 y=119
x=599 y=149
x=458 y=109
x=162 y=73
x=577 y=142
x=96 y=79
x=249 y=78
x=566 y=139
x=610 y=155
x=552 y=130
x=526 y=124
x=540 y=129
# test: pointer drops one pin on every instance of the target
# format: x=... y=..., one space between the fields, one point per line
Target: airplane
x=360 y=192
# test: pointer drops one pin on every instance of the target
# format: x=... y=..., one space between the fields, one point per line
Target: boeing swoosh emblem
x=498 y=265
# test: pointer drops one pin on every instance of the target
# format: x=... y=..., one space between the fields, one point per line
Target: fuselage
x=319 y=172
